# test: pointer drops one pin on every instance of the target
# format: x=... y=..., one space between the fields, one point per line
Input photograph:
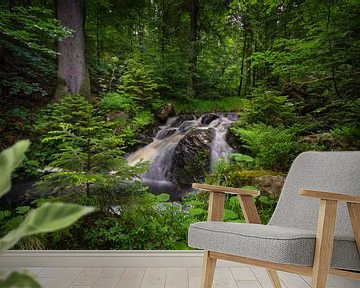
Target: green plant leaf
x=264 y=199
x=196 y=211
x=19 y=279
x=195 y=203
x=163 y=197
x=181 y=246
x=242 y=157
x=22 y=209
x=9 y=159
x=47 y=218
x=4 y=214
x=234 y=201
x=230 y=215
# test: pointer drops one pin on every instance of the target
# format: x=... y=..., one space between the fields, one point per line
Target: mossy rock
x=241 y=178
x=191 y=162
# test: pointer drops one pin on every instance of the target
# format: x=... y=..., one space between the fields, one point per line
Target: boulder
x=182 y=118
x=339 y=143
x=166 y=111
x=270 y=185
x=208 y=118
x=191 y=161
x=114 y=116
x=165 y=133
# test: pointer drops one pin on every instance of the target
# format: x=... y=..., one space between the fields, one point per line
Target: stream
x=160 y=152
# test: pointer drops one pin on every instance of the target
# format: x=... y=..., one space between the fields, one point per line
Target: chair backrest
x=326 y=171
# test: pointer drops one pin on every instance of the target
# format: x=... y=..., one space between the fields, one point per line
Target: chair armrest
x=323 y=195
x=222 y=189
x=328 y=210
x=217 y=199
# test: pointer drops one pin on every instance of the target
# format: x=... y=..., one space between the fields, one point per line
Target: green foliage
x=118 y=102
x=234 y=171
x=33 y=21
x=129 y=117
x=197 y=207
x=12 y=220
x=142 y=222
x=138 y=83
x=269 y=108
x=19 y=279
x=142 y=119
x=27 y=37
x=265 y=207
x=47 y=218
x=88 y=157
x=18 y=85
x=220 y=173
x=210 y=105
x=9 y=160
x=272 y=148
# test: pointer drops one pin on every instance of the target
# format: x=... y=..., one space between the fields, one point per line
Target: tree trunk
x=193 y=37
x=249 y=40
x=254 y=68
x=333 y=72
x=163 y=32
x=141 y=33
x=97 y=36
x=73 y=76
x=242 y=64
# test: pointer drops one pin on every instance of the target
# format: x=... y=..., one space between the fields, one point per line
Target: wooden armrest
x=329 y=196
x=222 y=189
x=217 y=198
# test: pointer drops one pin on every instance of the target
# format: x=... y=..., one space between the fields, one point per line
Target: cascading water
x=161 y=151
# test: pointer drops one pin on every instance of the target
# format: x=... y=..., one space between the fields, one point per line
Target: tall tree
x=73 y=76
x=193 y=37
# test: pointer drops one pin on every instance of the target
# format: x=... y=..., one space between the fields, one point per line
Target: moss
x=246 y=174
x=240 y=178
x=196 y=168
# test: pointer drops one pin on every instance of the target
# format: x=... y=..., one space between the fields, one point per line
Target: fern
x=89 y=157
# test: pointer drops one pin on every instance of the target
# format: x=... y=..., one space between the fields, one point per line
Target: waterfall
x=160 y=152
x=219 y=146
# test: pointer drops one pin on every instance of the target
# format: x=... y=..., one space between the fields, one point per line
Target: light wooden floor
x=166 y=277
x=142 y=269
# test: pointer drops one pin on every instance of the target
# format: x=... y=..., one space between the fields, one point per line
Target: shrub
x=117 y=102
x=49 y=217
x=142 y=222
x=272 y=148
x=138 y=83
x=89 y=157
x=269 y=108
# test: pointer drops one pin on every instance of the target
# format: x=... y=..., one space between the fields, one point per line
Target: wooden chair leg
x=274 y=278
x=208 y=271
x=324 y=243
x=354 y=212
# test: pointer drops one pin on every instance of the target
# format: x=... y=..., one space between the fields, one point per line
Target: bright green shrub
x=88 y=156
x=269 y=108
x=138 y=83
x=27 y=36
x=117 y=102
x=143 y=119
x=272 y=148
x=142 y=222
x=46 y=218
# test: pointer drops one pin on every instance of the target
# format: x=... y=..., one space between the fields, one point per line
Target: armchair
x=312 y=232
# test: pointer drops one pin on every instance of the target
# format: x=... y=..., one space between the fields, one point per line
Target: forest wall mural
x=127 y=103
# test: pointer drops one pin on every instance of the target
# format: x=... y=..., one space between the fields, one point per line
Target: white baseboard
x=104 y=258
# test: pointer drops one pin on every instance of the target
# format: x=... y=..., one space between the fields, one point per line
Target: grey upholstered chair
x=307 y=236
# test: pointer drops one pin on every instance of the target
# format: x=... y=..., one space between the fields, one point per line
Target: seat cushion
x=270 y=243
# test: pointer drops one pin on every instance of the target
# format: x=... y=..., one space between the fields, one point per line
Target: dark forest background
x=87 y=82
